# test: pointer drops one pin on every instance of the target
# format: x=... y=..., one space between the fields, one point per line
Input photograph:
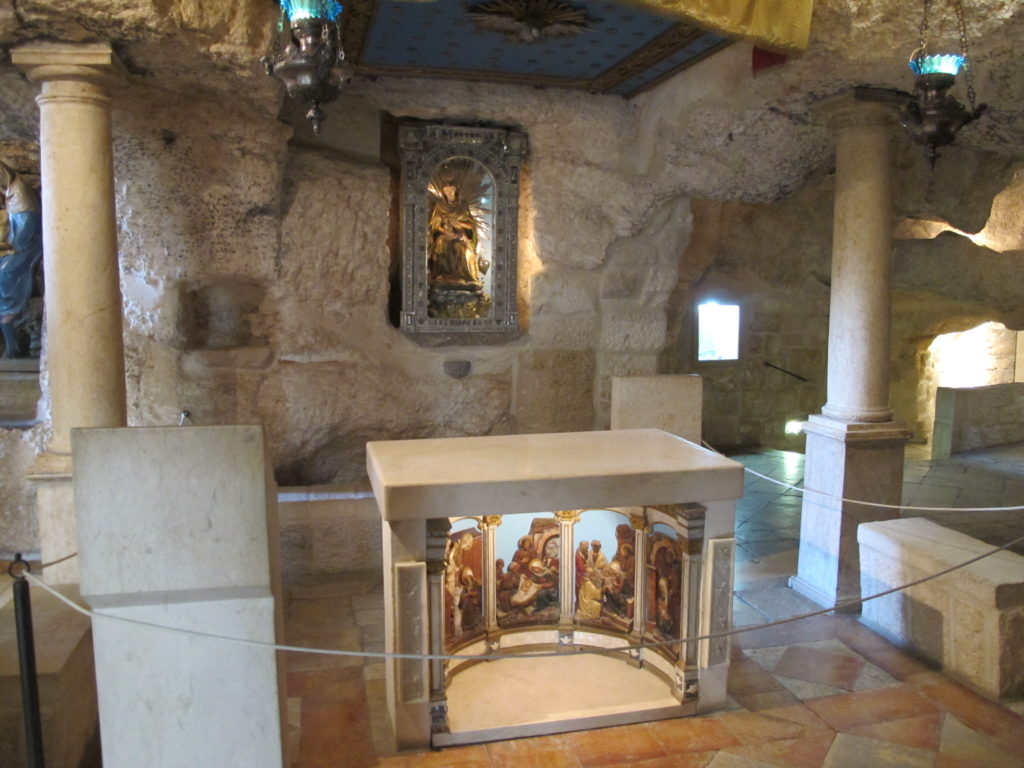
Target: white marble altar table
x=420 y=485
x=505 y=474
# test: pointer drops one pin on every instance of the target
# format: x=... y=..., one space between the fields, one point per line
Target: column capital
x=568 y=516
x=43 y=62
x=860 y=107
x=639 y=523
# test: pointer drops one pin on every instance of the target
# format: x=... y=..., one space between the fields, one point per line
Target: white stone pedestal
x=852 y=461
x=175 y=528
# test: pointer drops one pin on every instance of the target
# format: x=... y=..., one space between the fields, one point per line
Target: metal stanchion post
x=27 y=662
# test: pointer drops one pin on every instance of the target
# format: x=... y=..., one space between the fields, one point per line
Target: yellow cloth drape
x=780 y=25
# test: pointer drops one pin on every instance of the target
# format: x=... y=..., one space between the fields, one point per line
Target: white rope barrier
x=570 y=650
x=830 y=497
x=566 y=651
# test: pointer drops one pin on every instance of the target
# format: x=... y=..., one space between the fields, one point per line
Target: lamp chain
x=962 y=30
x=922 y=44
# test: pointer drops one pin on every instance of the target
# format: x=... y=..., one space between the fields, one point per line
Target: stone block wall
x=257 y=263
x=773 y=261
x=977 y=417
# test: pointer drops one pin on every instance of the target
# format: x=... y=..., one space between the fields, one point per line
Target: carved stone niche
x=459 y=219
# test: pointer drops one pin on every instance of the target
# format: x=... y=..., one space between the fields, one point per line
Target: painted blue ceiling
x=624 y=50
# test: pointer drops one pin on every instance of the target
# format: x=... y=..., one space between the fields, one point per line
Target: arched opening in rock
x=983 y=355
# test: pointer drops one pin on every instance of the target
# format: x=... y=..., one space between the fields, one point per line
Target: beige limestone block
x=554 y=390
x=575 y=331
x=329 y=529
x=967 y=620
x=216 y=473
x=671 y=403
x=563 y=291
x=67 y=684
x=627 y=327
x=612 y=364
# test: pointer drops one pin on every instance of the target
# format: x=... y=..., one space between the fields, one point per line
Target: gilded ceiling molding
x=779 y=25
x=648 y=84
x=356 y=22
x=482 y=76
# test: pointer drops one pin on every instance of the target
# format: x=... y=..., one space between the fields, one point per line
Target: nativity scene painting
x=463 y=584
x=605 y=581
x=527 y=571
x=663 y=573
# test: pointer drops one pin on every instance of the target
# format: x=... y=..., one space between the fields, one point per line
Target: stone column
x=854 y=449
x=84 y=345
x=437 y=545
x=566 y=573
x=640 y=531
x=488 y=526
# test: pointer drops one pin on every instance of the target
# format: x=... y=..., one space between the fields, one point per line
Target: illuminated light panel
x=311 y=9
x=943 y=63
x=718 y=331
x=794 y=427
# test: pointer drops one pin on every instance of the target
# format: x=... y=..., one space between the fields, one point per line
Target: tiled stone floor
x=820 y=693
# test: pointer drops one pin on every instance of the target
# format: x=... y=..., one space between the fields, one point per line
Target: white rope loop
x=573 y=649
x=565 y=651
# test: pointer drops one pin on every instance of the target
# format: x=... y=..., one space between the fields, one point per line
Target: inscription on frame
x=459 y=209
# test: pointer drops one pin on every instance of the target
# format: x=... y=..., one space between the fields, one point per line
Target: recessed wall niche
x=459 y=221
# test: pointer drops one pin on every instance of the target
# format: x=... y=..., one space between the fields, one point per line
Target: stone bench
x=970 y=621
x=327 y=529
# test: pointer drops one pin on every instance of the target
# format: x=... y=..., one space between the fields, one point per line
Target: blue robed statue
x=18 y=264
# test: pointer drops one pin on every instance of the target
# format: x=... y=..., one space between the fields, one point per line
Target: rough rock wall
x=18 y=525
x=255 y=275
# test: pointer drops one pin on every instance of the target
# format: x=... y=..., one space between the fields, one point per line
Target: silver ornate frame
x=423 y=147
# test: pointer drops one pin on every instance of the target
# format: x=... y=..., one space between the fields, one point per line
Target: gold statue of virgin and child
x=459 y=192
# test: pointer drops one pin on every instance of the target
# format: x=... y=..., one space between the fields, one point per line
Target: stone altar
x=670 y=492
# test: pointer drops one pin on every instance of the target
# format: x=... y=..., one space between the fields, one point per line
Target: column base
x=55 y=510
x=813 y=593
x=845 y=460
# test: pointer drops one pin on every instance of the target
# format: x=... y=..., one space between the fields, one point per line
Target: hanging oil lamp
x=932 y=116
x=307 y=54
